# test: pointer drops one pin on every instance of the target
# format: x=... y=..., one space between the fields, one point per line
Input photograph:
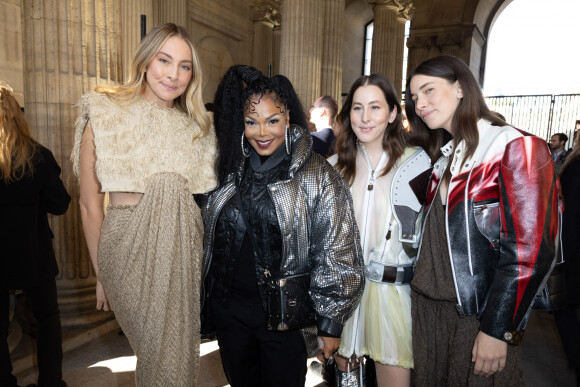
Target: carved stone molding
x=439 y=39
x=405 y=9
x=266 y=13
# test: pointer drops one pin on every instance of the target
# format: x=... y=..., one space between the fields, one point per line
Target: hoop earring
x=244 y=148
x=287 y=141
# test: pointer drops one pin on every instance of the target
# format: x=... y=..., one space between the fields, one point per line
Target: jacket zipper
x=211 y=237
x=459 y=306
x=370 y=188
x=466 y=201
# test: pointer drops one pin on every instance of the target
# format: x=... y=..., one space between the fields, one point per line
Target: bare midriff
x=125 y=198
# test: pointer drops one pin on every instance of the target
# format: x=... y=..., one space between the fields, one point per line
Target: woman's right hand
x=102 y=301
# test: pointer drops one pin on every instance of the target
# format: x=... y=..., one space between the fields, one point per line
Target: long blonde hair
x=191 y=101
x=16 y=144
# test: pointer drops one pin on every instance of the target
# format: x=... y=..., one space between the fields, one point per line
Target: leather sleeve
x=337 y=280
x=529 y=228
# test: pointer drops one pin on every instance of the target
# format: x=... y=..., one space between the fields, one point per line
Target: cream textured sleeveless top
x=138 y=139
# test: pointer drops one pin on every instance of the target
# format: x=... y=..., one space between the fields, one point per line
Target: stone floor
x=109 y=361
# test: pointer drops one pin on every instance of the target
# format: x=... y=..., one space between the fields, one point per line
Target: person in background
x=490 y=231
x=566 y=319
x=388 y=182
x=322 y=115
x=558 y=148
x=149 y=143
x=30 y=187
x=282 y=260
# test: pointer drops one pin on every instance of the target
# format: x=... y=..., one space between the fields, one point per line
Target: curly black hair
x=231 y=101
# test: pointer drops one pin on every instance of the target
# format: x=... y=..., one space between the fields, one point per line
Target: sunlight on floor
x=128 y=363
x=208 y=347
x=119 y=364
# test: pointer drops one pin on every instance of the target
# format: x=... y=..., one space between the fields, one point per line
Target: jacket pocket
x=487 y=221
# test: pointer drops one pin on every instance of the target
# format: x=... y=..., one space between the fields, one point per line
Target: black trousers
x=568 y=326
x=44 y=306
x=253 y=356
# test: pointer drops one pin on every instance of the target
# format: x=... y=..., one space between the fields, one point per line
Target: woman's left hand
x=330 y=346
x=489 y=355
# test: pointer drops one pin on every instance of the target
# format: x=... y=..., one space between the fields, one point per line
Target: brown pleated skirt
x=150 y=264
x=442 y=345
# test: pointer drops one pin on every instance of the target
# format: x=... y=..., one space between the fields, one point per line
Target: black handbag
x=289 y=304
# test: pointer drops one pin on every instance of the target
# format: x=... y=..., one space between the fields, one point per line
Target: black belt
x=397 y=275
x=394 y=274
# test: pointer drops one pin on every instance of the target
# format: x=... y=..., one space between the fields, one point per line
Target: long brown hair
x=394 y=139
x=191 y=101
x=471 y=108
x=16 y=144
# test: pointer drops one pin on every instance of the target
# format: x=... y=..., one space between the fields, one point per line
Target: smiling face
x=169 y=72
x=265 y=122
x=370 y=115
x=436 y=100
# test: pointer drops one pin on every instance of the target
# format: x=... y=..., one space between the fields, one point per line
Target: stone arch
x=459 y=28
x=485 y=15
x=215 y=58
x=357 y=14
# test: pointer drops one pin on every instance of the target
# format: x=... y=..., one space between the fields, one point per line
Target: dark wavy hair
x=394 y=139
x=471 y=108
x=297 y=114
x=238 y=85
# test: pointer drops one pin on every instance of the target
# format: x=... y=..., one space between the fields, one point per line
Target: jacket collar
x=300 y=149
x=447 y=149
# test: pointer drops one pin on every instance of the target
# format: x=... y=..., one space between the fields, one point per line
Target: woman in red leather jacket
x=490 y=230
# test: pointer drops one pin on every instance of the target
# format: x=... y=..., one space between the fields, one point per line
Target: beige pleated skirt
x=150 y=264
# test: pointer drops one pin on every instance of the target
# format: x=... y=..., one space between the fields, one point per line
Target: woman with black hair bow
x=282 y=254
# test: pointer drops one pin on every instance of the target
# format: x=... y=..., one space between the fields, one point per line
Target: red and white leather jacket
x=502 y=224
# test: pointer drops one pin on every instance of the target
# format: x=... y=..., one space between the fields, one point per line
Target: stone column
x=11 y=47
x=462 y=41
x=332 y=38
x=265 y=19
x=276 y=36
x=169 y=11
x=131 y=11
x=301 y=47
x=69 y=47
x=389 y=38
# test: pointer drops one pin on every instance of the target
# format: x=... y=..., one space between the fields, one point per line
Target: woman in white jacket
x=373 y=157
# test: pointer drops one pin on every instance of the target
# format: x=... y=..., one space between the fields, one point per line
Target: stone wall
x=11 y=61
x=52 y=51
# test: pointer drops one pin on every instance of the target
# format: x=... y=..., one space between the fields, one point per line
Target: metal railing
x=542 y=115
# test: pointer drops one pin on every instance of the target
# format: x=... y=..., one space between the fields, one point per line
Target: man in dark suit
x=322 y=115
x=558 y=148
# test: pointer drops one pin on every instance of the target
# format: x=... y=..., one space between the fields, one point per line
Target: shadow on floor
x=109 y=361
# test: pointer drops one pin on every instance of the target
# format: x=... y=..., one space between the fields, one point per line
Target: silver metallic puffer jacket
x=319 y=232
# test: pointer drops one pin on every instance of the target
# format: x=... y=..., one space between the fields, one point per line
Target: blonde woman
x=30 y=187
x=149 y=144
